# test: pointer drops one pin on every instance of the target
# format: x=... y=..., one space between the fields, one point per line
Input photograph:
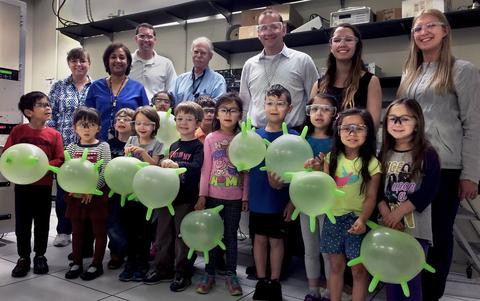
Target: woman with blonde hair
x=447 y=90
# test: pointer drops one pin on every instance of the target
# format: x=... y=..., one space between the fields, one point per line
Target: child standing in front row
x=117 y=241
x=222 y=184
x=33 y=202
x=171 y=258
x=82 y=207
x=269 y=202
x=406 y=202
x=145 y=147
x=356 y=171
x=321 y=111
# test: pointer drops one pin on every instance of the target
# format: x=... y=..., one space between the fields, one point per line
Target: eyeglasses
x=281 y=104
x=428 y=27
x=346 y=39
x=123 y=119
x=357 y=129
x=42 y=105
x=145 y=37
x=86 y=125
x=144 y=124
x=208 y=110
x=78 y=61
x=275 y=26
x=186 y=119
x=161 y=100
x=402 y=120
x=225 y=111
x=324 y=109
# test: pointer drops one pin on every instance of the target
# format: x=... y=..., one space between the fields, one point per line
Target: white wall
x=46 y=52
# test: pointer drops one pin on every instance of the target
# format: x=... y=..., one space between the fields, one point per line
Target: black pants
x=32 y=204
x=444 y=210
x=138 y=233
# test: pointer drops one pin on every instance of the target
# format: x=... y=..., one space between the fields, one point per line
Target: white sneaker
x=61 y=240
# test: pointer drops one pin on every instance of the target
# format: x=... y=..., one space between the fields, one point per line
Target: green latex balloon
x=247 y=149
x=167 y=133
x=119 y=175
x=391 y=256
x=24 y=163
x=79 y=175
x=287 y=153
x=313 y=193
x=202 y=231
x=156 y=187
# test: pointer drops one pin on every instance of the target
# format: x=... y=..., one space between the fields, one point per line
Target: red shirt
x=48 y=139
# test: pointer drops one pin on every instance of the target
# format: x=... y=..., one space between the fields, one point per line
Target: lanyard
x=114 y=98
x=199 y=80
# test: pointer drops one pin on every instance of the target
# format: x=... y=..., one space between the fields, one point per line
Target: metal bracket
x=222 y=10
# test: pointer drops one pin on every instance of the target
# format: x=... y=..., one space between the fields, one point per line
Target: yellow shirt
x=349 y=180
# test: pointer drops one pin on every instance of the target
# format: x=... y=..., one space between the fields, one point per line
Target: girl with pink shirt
x=222 y=184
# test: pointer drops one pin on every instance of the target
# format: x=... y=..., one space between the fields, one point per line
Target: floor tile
x=48 y=288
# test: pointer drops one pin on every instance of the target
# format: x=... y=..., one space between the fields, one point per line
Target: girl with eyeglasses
x=145 y=147
x=222 y=184
x=346 y=77
x=447 y=90
x=356 y=170
x=321 y=111
x=411 y=173
x=88 y=207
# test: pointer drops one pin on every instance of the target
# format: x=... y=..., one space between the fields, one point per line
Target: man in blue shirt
x=201 y=80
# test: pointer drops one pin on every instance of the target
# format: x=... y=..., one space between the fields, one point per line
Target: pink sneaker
x=233 y=285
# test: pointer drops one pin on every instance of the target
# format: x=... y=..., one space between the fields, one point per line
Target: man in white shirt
x=276 y=64
x=154 y=71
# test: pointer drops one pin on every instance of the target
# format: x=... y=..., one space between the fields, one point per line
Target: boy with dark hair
x=33 y=202
x=171 y=258
x=268 y=202
x=208 y=105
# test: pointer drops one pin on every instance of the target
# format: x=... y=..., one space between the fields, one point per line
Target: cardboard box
x=389 y=14
x=411 y=8
x=287 y=11
x=247 y=32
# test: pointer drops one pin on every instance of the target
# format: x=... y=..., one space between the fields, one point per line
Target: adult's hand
x=467 y=190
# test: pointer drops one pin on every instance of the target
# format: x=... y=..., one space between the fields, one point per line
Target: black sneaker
x=74 y=271
x=40 y=265
x=127 y=273
x=275 y=290
x=262 y=290
x=92 y=273
x=22 y=267
x=180 y=284
x=154 y=277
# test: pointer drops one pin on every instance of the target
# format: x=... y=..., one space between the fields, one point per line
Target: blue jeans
x=64 y=226
x=115 y=231
x=230 y=214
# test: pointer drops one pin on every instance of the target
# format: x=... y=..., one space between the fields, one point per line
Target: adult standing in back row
x=447 y=90
x=276 y=64
x=154 y=71
x=201 y=80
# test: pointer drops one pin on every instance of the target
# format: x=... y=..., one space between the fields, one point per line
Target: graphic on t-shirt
x=91 y=156
x=225 y=174
x=399 y=184
x=346 y=178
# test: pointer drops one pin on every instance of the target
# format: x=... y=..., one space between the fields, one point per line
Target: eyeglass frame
x=145 y=37
x=352 y=128
x=428 y=27
x=42 y=105
x=230 y=111
x=144 y=124
x=343 y=39
x=308 y=108
x=269 y=26
x=398 y=119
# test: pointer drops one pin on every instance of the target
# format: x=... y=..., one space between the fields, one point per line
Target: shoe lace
x=205 y=279
x=234 y=281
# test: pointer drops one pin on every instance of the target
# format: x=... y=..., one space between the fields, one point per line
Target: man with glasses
x=154 y=71
x=276 y=64
x=201 y=80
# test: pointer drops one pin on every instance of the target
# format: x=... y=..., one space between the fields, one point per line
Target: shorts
x=336 y=240
x=268 y=224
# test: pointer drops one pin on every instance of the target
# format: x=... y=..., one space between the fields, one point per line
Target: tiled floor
x=54 y=286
